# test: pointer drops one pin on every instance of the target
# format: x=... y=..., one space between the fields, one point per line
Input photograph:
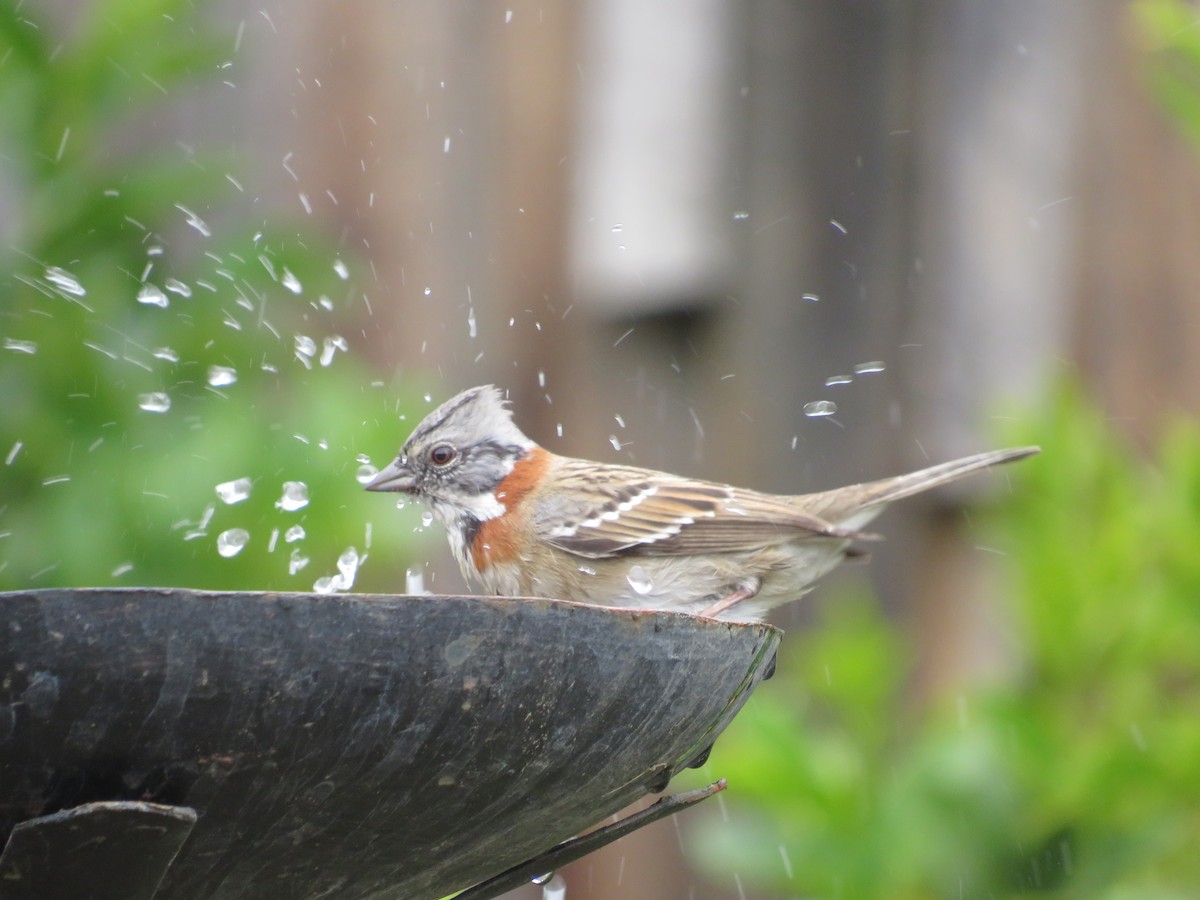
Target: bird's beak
x=395 y=477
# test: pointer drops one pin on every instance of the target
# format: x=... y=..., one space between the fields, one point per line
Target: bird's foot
x=744 y=591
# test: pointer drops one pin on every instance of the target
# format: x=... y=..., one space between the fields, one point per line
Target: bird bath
x=252 y=745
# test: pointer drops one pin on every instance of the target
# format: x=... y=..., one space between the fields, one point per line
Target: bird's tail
x=854 y=506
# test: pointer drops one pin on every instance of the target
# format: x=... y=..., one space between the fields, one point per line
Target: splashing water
x=234 y=491
x=818 y=408
x=221 y=376
x=295 y=496
x=151 y=295
x=340 y=268
x=231 y=542
x=555 y=889
x=291 y=282
x=155 y=402
x=295 y=533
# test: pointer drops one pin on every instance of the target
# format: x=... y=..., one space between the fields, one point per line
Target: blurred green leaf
x=97 y=490
x=1080 y=777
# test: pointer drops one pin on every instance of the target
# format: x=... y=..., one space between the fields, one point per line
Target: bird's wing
x=599 y=511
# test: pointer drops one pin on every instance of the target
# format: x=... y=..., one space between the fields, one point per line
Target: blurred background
x=788 y=245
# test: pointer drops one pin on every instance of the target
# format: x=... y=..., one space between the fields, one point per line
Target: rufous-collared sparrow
x=523 y=521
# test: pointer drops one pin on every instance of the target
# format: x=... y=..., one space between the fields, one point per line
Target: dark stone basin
x=353 y=745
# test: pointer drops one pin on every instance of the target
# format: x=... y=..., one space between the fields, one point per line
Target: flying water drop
x=290 y=281
x=175 y=286
x=296 y=562
x=819 y=408
x=166 y=354
x=195 y=221
x=833 y=380
x=231 y=542
x=295 y=496
x=867 y=368
x=414 y=581
x=151 y=295
x=221 y=376
x=639 y=580
x=330 y=345
x=19 y=346
x=65 y=281
x=342 y=272
x=295 y=533
x=155 y=402
x=234 y=491
x=365 y=473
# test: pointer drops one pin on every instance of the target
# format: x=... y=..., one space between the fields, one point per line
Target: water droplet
x=331 y=345
x=231 y=542
x=543 y=878
x=326 y=584
x=155 y=402
x=555 y=889
x=234 y=491
x=639 y=579
x=19 y=346
x=618 y=228
x=811 y=298
x=65 y=282
x=839 y=226
x=150 y=295
x=290 y=281
x=221 y=376
x=414 y=581
x=305 y=346
x=167 y=354
x=741 y=215
x=295 y=533
x=296 y=562
x=12 y=454
x=347 y=565
x=471 y=325
x=295 y=496
x=123 y=569
x=342 y=272
x=818 y=408
x=428 y=291
x=194 y=220
x=587 y=570
x=175 y=286
x=426 y=519
x=838 y=379
x=867 y=368
x=365 y=473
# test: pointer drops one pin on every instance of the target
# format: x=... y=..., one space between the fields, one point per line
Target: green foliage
x=95 y=489
x=1168 y=28
x=1078 y=777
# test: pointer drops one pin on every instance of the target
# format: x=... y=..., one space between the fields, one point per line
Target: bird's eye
x=442 y=455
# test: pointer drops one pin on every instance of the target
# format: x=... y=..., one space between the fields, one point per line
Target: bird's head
x=459 y=453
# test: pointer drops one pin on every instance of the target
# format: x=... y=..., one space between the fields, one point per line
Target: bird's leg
x=744 y=591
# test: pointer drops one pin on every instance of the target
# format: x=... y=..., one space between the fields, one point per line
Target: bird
x=523 y=521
